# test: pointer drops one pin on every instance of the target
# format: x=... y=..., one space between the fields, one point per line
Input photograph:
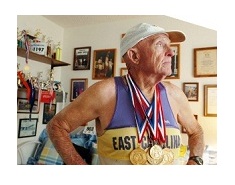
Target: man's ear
x=133 y=55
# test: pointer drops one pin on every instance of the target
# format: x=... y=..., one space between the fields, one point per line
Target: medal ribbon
x=148 y=116
x=32 y=97
x=19 y=73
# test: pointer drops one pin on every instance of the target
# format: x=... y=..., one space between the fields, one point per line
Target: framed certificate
x=210 y=100
x=205 y=62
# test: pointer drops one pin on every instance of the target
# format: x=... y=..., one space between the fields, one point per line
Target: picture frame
x=210 y=100
x=175 y=62
x=78 y=85
x=183 y=130
x=27 y=127
x=122 y=35
x=49 y=110
x=23 y=106
x=123 y=71
x=191 y=90
x=82 y=58
x=22 y=93
x=205 y=62
x=104 y=62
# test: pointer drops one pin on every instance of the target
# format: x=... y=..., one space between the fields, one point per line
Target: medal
x=158 y=158
x=168 y=156
x=156 y=152
x=149 y=118
x=138 y=156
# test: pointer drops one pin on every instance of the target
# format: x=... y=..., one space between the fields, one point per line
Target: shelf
x=41 y=58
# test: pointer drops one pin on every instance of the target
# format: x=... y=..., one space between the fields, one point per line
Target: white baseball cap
x=144 y=30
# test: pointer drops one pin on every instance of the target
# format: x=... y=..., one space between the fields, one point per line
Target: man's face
x=155 y=54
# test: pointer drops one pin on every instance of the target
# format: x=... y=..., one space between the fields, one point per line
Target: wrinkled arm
x=96 y=102
x=78 y=113
x=194 y=130
x=196 y=143
x=59 y=135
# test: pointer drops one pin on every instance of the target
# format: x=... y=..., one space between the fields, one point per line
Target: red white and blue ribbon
x=22 y=79
x=32 y=97
x=149 y=116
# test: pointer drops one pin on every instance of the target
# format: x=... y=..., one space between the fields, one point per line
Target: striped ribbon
x=149 y=117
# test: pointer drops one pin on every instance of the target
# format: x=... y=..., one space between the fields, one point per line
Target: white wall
x=108 y=35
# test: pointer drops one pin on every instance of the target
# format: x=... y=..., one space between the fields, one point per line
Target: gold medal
x=138 y=156
x=156 y=152
x=168 y=156
x=152 y=160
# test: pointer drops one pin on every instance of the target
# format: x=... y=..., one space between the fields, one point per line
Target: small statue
x=49 y=53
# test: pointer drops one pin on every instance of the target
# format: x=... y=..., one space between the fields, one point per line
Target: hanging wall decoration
x=48 y=112
x=205 y=62
x=82 y=58
x=175 y=62
x=210 y=100
x=78 y=85
x=27 y=127
x=104 y=62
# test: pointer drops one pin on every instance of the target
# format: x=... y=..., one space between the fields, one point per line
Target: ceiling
x=69 y=21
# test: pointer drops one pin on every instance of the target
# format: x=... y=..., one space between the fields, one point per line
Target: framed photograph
x=205 y=62
x=49 y=111
x=22 y=93
x=123 y=71
x=210 y=100
x=78 y=85
x=175 y=62
x=23 y=106
x=122 y=35
x=104 y=63
x=82 y=58
x=27 y=127
x=191 y=90
x=183 y=130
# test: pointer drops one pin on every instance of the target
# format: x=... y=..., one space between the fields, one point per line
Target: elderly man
x=138 y=116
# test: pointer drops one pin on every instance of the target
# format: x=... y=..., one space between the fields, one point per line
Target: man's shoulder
x=170 y=86
x=105 y=85
x=104 y=82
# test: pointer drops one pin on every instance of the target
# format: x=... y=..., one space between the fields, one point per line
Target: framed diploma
x=210 y=100
x=205 y=62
